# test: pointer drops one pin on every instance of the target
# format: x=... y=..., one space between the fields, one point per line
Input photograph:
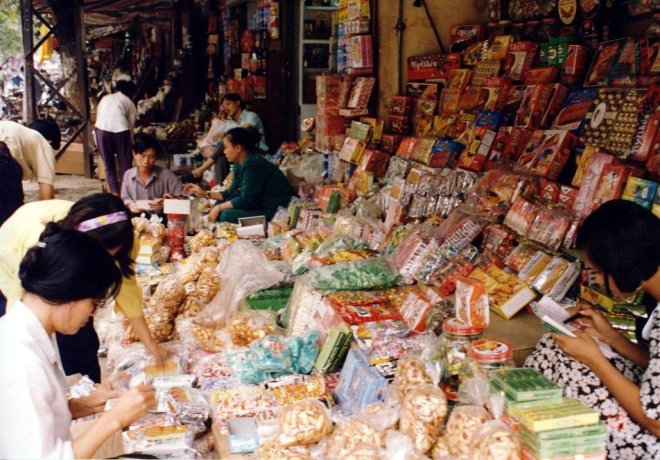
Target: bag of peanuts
x=304 y=423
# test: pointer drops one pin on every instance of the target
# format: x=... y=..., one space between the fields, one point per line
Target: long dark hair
x=111 y=236
x=622 y=239
x=67 y=265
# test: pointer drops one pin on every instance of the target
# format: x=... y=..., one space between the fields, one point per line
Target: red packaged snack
x=449 y=99
x=484 y=70
x=400 y=124
x=432 y=66
x=559 y=93
x=577 y=60
x=374 y=161
x=474 y=156
x=521 y=215
x=567 y=195
x=464 y=34
x=610 y=184
x=549 y=191
x=541 y=75
x=400 y=105
x=459 y=78
x=423 y=150
x=552 y=153
x=508 y=145
x=472 y=302
x=589 y=181
x=390 y=142
x=473 y=99
x=533 y=106
x=519 y=59
x=463 y=130
x=407 y=147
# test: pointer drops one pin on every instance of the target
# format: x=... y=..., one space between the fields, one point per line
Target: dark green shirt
x=260 y=185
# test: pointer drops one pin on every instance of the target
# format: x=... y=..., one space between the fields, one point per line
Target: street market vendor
x=258 y=187
x=622 y=240
x=104 y=217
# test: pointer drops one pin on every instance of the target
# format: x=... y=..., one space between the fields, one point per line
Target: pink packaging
x=583 y=201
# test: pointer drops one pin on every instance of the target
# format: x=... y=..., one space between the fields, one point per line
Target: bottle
x=455 y=342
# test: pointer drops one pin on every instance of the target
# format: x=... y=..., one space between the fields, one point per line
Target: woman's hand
x=215 y=213
x=195 y=190
x=596 y=325
x=133 y=404
x=583 y=347
x=160 y=353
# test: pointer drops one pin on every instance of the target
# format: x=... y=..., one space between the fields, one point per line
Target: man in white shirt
x=115 y=119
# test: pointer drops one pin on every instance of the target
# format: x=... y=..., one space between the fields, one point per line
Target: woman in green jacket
x=258 y=187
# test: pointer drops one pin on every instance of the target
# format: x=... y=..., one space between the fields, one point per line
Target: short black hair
x=112 y=236
x=67 y=267
x=622 y=239
x=233 y=97
x=246 y=137
x=125 y=87
x=49 y=129
x=143 y=141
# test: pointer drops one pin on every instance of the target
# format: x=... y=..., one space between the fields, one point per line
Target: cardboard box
x=72 y=161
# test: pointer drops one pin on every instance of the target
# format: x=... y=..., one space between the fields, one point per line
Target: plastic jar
x=490 y=354
x=455 y=342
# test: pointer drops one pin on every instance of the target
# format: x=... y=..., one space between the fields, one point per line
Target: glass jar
x=175 y=236
x=454 y=345
x=490 y=355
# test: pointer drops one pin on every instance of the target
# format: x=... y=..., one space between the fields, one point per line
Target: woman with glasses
x=621 y=240
x=104 y=218
x=64 y=276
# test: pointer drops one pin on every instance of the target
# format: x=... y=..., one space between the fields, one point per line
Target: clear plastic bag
x=243 y=270
x=249 y=325
x=422 y=415
x=202 y=239
x=377 y=273
x=411 y=372
x=304 y=423
x=272 y=450
x=187 y=405
x=193 y=336
x=399 y=446
x=350 y=434
x=495 y=441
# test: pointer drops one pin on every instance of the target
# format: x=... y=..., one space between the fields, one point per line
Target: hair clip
x=40 y=244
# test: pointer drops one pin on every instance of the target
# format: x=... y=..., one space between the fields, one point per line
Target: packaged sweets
x=246 y=327
x=524 y=384
x=376 y=273
x=472 y=302
x=422 y=415
x=304 y=423
x=490 y=355
x=549 y=228
x=556 y=279
x=272 y=450
x=534 y=266
x=350 y=435
x=521 y=215
x=495 y=440
x=521 y=256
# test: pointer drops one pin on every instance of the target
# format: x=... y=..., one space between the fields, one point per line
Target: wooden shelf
x=316 y=41
x=316 y=69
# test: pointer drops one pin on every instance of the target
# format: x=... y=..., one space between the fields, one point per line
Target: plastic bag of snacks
x=304 y=423
x=272 y=450
x=377 y=273
x=383 y=415
x=464 y=422
x=161 y=309
x=495 y=441
x=411 y=372
x=193 y=335
x=400 y=446
x=422 y=415
x=350 y=434
x=243 y=270
x=190 y=307
x=249 y=325
x=188 y=405
x=203 y=239
x=472 y=302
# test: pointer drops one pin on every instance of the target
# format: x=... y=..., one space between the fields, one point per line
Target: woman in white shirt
x=66 y=276
x=115 y=119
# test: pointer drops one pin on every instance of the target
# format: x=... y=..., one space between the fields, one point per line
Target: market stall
x=387 y=311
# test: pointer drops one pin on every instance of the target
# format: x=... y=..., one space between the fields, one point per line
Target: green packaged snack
x=524 y=384
x=544 y=416
x=377 y=273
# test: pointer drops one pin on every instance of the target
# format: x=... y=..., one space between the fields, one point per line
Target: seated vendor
x=233 y=115
x=258 y=187
x=144 y=185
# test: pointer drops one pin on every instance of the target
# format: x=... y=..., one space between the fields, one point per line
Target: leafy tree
x=11 y=39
